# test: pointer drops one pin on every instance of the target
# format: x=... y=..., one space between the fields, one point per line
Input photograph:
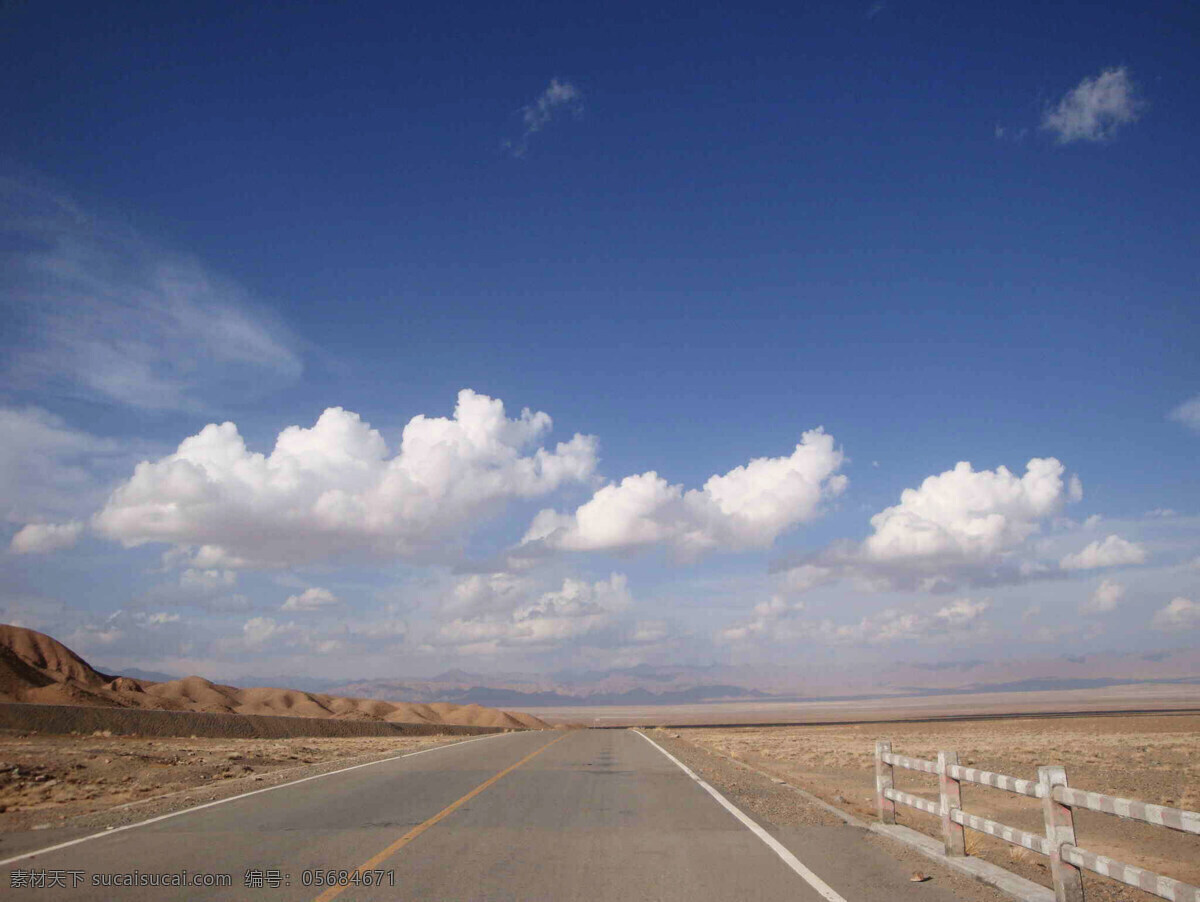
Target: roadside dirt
x=1150 y=758
x=54 y=781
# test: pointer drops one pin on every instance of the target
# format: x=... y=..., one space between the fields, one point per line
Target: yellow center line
x=372 y=863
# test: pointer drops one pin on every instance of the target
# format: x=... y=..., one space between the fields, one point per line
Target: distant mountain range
x=648 y=684
x=486 y=695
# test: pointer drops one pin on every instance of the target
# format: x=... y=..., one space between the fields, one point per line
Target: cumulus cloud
x=312 y=599
x=1179 y=613
x=1095 y=108
x=501 y=615
x=1106 y=598
x=1110 y=552
x=748 y=507
x=1187 y=413
x=967 y=513
x=99 y=312
x=334 y=490
x=960 y=526
x=781 y=620
x=559 y=96
x=41 y=538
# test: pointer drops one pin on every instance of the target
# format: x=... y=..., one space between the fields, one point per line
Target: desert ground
x=1127 y=697
x=1153 y=758
x=50 y=781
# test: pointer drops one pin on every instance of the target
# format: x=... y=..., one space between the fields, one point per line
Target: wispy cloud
x=1105 y=598
x=1008 y=133
x=779 y=620
x=1187 y=413
x=99 y=312
x=559 y=96
x=52 y=472
x=1095 y=108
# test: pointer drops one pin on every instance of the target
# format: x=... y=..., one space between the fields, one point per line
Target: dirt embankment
x=37 y=669
x=1152 y=758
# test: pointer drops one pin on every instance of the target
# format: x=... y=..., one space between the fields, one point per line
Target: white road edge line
x=775 y=845
x=254 y=792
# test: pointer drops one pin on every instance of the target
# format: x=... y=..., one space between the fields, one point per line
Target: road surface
x=583 y=815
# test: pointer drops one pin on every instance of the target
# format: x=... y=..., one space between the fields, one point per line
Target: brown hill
x=35 y=668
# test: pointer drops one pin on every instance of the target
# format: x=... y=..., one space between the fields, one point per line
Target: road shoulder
x=853 y=860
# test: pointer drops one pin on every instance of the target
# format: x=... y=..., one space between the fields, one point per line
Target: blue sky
x=689 y=236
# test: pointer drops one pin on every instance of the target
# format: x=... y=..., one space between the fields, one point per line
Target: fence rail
x=1059 y=800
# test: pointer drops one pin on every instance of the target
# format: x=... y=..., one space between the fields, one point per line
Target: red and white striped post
x=950 y=789
x=1060 y=831
x=884 y=780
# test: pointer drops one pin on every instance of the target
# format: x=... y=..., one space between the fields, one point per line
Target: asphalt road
x=585 y=815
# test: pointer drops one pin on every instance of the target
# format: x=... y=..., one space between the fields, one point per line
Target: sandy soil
x=49 y=781
x=1152 y=758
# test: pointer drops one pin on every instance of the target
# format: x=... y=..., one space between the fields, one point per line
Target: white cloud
x=962 y=613
x=648 y=631
x=748 y=507
x=102 y=313
x=1162 y=512
x=1095 y=108
x=779 y=620
x=40 y=538
x=1187 y=413
x=968 y=514
x=1111 y=552
x=49 y=471
x=1106 y=598
x=1179 y=613
x=558 y=96
x=548 y=620
x=312 y=599
x=333 y=490
x=258 y=630
x=960 y=526
x=207 y=580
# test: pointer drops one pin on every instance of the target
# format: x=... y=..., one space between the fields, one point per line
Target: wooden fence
x=1067 y=860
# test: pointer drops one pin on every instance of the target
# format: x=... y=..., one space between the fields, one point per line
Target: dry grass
x=1153 y=758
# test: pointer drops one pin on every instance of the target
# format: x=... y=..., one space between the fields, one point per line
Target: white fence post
x=1060 y=831
x=884 y=780
x=950 y=790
